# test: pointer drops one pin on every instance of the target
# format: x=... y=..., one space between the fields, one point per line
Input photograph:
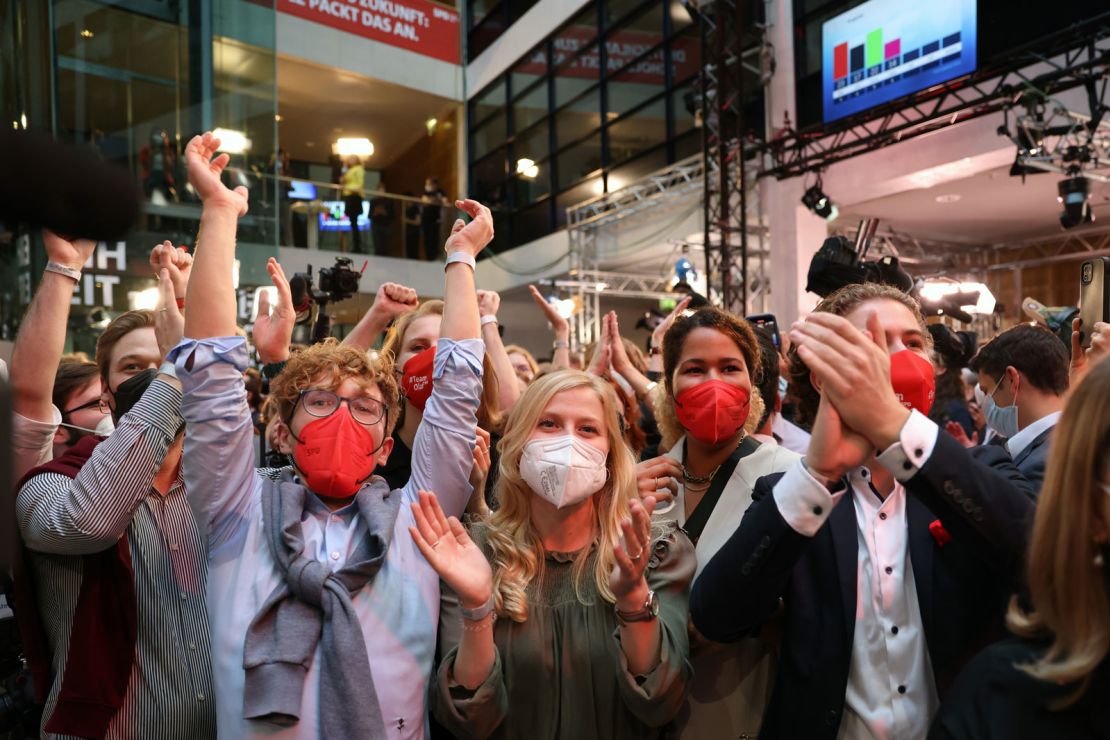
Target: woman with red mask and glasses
x=709 y=406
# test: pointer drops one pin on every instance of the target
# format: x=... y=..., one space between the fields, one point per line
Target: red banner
x=417 y=25
x=620 y=49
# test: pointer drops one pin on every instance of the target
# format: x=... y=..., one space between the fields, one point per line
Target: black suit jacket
x=995 y=700
x=985 y=505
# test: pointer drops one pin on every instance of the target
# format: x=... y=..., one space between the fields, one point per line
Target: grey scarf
x=313 y=607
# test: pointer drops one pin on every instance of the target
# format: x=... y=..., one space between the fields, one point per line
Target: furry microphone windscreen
x=69 y=190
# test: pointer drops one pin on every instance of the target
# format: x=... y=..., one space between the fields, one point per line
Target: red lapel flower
x=940 y=534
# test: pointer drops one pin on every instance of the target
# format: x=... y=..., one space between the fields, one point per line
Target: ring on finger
x=637 y=555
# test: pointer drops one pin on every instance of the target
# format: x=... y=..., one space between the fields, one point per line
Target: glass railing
x=307 y=214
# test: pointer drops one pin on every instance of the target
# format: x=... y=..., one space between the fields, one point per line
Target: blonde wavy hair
x=490 y=417
x=516 y=550
x=1070 y=597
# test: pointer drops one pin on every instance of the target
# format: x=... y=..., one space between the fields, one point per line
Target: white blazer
x=732 y=682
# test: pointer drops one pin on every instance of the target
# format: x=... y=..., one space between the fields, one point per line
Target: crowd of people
x=423 y=532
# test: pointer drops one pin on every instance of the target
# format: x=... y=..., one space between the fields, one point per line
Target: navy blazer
x=766 y=567
x=1032 y=460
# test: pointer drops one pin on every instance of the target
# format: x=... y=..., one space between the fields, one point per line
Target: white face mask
x=103 y=428
x=1002 y=419
x=563 y=470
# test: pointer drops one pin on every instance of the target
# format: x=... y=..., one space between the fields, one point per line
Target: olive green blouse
x=561 y=673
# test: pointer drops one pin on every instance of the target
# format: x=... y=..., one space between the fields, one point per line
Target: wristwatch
x=648 y=612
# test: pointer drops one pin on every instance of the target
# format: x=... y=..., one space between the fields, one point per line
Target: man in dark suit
x=889 y=551
x=1023 y=373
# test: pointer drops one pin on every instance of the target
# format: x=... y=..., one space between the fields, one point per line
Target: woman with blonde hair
x=1055 y=680
x=573 y=607
x=524 y=365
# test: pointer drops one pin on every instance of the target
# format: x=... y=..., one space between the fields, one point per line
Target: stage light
x=821 y=204
x=935 y=290
x=143 y=300
x=1074 y=193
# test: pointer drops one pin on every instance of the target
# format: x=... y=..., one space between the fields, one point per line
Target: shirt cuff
x=192 y=355
x=913 y=449
x=803 y=501
x=468 y=351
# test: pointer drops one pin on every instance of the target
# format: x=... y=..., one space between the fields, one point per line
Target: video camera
x=335 y=283
x=839 y=262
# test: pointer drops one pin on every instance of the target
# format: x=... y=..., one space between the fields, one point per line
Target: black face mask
x=128 y=393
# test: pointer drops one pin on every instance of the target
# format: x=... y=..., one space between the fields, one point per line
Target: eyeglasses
x=98 y=403
x=322 y=404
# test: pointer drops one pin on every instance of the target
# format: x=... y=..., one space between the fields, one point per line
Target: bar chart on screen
x=885 y=49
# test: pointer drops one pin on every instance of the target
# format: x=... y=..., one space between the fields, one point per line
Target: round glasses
x=322 y=404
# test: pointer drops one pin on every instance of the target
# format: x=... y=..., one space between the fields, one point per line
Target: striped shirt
x=169 y=694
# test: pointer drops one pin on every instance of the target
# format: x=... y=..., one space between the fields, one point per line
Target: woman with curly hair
x=573 y=608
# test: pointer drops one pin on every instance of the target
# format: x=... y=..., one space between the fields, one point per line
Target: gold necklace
x=689 y=477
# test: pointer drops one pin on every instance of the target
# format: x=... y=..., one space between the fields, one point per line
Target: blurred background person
x=1053 y=681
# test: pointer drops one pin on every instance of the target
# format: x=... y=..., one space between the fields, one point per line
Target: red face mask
x=713 y=411
x=416 y=380
x=335 y=455
x=913 y=379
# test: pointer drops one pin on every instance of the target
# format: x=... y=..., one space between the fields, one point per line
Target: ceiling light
x=527 y=168
x=949 y=198
x=934 y=290
x=86 y=34
x=430 y=125
x=23 y=120
x=1074 y=194
x=278 y=118
x=817 y=201
x=359 y=147
x=232 y=141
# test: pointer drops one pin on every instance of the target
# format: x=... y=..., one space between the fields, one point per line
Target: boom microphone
x=63 y=188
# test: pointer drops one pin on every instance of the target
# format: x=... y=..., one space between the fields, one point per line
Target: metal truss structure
x=725 y=207
x=1075 y=58
x=586 y=221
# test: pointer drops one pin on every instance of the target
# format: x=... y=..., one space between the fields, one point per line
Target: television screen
x=885 y=49
x=301 y=190
x=335 y=217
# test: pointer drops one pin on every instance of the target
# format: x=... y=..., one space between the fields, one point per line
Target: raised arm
x=42 y=333
x=507 y=389
x=655 y=359
x=391 y=301
x=561 y=356
x=462 y=320
x=212 y=310
x=219 y=437
x=442 y=454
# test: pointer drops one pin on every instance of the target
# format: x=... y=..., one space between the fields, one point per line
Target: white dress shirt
x=891 y=689
x=1022 y=439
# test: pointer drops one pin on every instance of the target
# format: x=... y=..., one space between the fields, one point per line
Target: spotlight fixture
x=1074 y=193
x=821 y=204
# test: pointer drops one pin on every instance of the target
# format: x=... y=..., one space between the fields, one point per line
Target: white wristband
x=69 y=272
x=459 y=257
x=490 y=319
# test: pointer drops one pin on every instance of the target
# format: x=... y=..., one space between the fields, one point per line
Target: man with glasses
x=111 y=578
x=324 y=613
